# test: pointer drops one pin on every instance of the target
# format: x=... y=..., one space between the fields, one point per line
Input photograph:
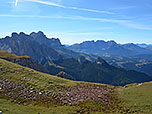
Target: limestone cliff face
x=22 y=44
x=42 y=39
x=55 y=43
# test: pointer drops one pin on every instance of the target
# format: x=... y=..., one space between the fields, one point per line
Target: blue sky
x=74 y=21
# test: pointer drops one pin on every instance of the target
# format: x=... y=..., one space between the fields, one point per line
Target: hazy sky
x=75 y=21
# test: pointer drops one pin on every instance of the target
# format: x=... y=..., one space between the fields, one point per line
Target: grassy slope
x=17 y=73
x=138 y=97
x=27 y=76
x=40 y=80
x=13 y=108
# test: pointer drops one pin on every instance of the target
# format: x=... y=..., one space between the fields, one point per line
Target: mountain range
x=128 y=56
x=100 y=47
x=38 y=47
x=81 y=66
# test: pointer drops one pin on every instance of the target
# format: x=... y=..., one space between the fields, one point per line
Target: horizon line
x=87 y=40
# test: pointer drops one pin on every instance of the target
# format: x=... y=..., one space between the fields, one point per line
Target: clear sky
x=74 y=21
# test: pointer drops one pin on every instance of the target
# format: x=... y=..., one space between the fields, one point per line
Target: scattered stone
x=71 y=95
x=140 y=84
x=74 y=95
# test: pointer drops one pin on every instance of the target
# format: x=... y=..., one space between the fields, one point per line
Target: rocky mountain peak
x=14 y=34
x=42 y=39
x=112 y=42
x=40 y=32
x=100 y=41
x=33 y=33
x=20 y=35
x=38 y=35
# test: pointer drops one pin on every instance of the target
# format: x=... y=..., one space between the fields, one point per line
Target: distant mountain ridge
x=100 y=47
x=136 y=49
x=128 y=56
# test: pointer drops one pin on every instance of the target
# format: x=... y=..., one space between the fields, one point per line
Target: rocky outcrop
x=65 y=75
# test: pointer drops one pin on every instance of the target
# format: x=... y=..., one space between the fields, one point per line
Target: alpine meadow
x=76 y=57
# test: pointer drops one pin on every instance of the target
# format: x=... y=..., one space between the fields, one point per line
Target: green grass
x=12 y=108
x=138 y=97
x=17 y=73
x=9 y=107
